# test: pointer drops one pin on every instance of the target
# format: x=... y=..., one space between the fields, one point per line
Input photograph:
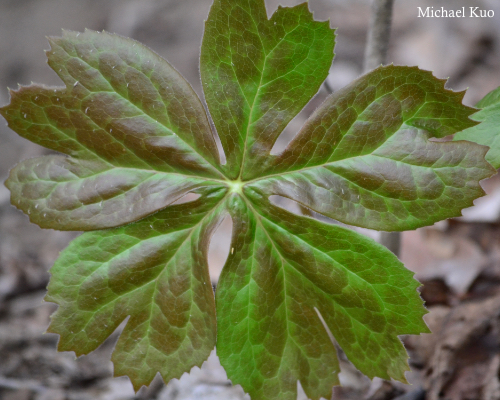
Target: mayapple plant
x=135 y=139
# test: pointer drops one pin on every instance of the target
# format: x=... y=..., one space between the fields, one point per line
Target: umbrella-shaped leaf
x=135 y=139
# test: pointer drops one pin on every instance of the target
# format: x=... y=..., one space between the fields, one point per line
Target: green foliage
x=488 y=132
x=136 y=139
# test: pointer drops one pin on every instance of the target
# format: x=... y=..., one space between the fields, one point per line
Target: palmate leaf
x=135 y=139
x=488 y=132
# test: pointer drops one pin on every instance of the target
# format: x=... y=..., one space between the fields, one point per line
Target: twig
x=391 y=240
x=327 y=86
x=378 y=34
x=375 y=55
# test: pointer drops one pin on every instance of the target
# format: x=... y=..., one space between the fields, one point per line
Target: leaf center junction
x=236 y=186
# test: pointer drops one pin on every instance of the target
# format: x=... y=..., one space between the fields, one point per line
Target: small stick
x=378 y=34
x=391 y=240
x=375 y=55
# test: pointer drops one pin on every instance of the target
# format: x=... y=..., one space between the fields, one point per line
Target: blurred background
x=458 y=261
